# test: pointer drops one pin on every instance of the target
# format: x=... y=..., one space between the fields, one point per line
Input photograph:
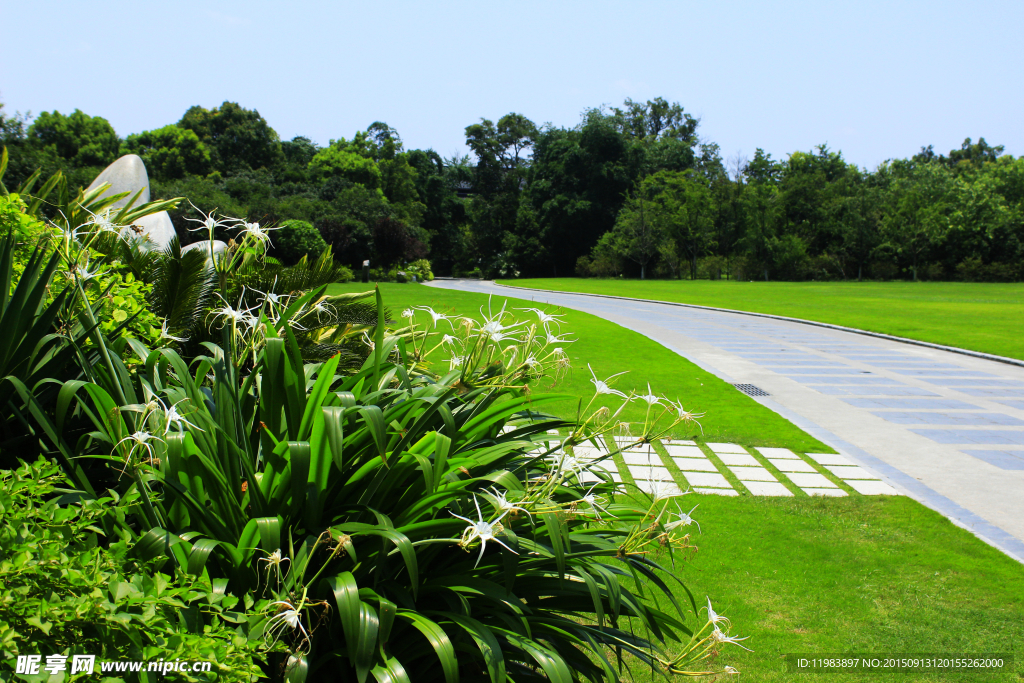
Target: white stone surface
x=792 y=465
x=158 y=229
x=661 y=489
x=695 y=465
x=873 y=488
x=726 y=448
x=803 y=479
x=630 y=443
x=678 y=442
x=829 y=459
x=740 y=459
x=835 y=493
x=127 y=174
x=655 y=473
x=218 y=247
x=707 y=479
x=783 y=453
x=718 y=492
x=746 y=474
x=850 y=472
x=635 y=458
x=685 y=452
x=767 y=488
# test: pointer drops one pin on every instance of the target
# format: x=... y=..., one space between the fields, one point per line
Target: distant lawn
x=863 y=574
x=978 y=316
x=730 y=415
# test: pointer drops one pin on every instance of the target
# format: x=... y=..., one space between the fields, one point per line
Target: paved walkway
x=944 y=428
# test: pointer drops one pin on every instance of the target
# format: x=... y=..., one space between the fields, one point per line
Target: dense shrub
x=296 y=239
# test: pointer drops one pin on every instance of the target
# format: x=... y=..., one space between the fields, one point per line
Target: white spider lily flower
x=140 y=438
x=543 y=317
x=275 y=559
x=720 y=637
x=455 y=362
x=504 y=504
x=572 y=464
x=408 y=313
x=174 y=417
x=368 y=340
x=684 y=519
x=650 y=399
x=82 y=272
x=716 y=618
x=731 y=671
x=484 y=531
x=230 y=314
x=597 y=503
x=164 y=334
x=103 y=223
x=687 y=415
x=436 y=316
x=257 y=233
x=449 y=341
x=289 y=617
x=531 y=362
x=210 y=222
x=601 y=386
x=275 y=299
x=550 y=339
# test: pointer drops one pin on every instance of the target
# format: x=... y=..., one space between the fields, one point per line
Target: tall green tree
x=170 y=153
x=238 y=138
x=78 y=139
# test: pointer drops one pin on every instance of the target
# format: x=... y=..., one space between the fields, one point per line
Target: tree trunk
x=642 y=269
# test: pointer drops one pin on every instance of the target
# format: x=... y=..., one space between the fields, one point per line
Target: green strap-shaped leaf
x=334 y=428
x=346 y=597
x=200 y=554
x=490 y=649
x=438 y=640
x=374 y=419
x=366 y=647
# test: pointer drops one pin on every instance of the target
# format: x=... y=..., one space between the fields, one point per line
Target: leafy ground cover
x=730 y=415
x=978 y=316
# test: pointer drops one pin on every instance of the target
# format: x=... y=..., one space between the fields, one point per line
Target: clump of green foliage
x=69 y=588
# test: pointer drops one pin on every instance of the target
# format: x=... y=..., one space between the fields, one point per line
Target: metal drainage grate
x=751 y=390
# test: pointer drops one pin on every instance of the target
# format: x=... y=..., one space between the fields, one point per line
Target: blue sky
x=876 y=80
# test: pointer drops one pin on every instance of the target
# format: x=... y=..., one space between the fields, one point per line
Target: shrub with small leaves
x=65 y=594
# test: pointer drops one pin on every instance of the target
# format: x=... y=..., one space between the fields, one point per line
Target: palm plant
x=391 y=522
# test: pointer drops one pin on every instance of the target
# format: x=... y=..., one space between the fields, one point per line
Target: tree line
x=629 y=191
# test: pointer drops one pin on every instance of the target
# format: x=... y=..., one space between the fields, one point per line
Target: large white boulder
x=127 y=174
x=211 y=248
x=158 y=228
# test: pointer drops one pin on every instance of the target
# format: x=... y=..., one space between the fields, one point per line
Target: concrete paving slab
x=1004 y=460
x=718 y=492
x=719 y=448
x=677 y=442
x=860 y=380
x=830 y=459
x=708 y=479
x=844 y=472
x=634 y=458
x=967 y=419
x=872 y=488
x=835 y=493
x=992 y=392
x=767 y=488
x=792 y=465
x=695 y=464
x=781 y=453
x=980 y=496
x=972 y=436
x=910 y=403
x=743 y=460
x=746 y=474
x=815 y=480
x=685 y=451
x=659 y=489
x=655 y=473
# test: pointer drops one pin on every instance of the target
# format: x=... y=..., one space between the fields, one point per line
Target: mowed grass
x=863 y=574
x=982 y=317
x=729 y=414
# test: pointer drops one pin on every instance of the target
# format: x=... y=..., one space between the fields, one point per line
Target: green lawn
x=863 y=574
x=978 y=316
x=730 y=415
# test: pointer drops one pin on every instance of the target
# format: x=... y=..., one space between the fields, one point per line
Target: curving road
x=944 y=428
